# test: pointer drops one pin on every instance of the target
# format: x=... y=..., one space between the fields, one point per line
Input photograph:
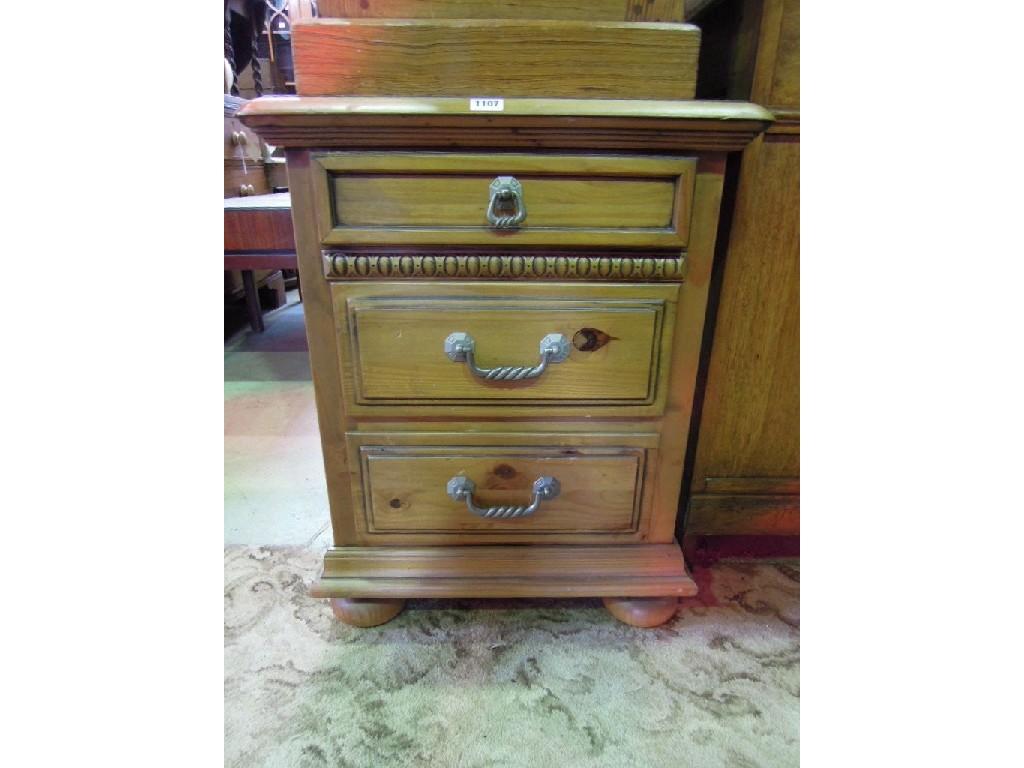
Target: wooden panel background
x=751 y=415
x=745 y=473
x=777 y=72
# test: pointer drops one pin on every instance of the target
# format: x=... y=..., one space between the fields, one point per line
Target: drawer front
x=555 y=200
x=512 y=485
x=429 y=345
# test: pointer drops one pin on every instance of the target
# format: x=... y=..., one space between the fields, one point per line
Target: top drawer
x=422 y=198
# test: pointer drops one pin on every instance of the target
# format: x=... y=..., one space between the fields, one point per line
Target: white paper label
x=486 y=105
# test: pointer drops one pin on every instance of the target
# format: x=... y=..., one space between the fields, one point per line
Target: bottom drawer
x=510 y=487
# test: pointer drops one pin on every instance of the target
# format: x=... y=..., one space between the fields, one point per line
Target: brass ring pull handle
x=460 y=347
x=506 y=195
x=461 y=488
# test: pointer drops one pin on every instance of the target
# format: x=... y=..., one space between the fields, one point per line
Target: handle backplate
x=506 y=195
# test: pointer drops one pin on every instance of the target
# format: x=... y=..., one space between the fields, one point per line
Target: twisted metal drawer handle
x=460 y=347
x=460 y=488
x=506 y=194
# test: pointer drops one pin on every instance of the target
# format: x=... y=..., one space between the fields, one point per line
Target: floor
x=274 y=491
x=468 y=683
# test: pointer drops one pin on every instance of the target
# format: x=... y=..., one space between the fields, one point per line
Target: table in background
x=258 y=235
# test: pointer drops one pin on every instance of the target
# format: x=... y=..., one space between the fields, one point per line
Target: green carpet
x=539 y=683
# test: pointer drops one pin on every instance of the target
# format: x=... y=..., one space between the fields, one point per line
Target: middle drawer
x=520 y=348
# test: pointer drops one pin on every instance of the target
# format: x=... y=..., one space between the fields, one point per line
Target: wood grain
x=318 y=309
x=461 y=201
x=751 y=414
x=647 y=565
x=777 y=69
x=258 y=223
x=740 y=485
x=503 y=58
x=645 y=570
x=500 y=453
x=686 y=353
x=405 y=489
x=747 y=463
x=612 y=125
x=596 y=10
x=442 y=199
x=743 y=514
x=392 y=340
x=724 y=117
x=385 y=331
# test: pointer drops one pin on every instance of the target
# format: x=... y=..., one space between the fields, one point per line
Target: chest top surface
x=609 y=124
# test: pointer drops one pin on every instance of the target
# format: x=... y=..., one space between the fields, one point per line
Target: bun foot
x=642 y=611
x=361 y=612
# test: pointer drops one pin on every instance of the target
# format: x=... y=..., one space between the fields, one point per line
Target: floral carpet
x=538 y=683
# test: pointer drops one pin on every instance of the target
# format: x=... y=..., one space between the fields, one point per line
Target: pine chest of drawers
x=505 y=314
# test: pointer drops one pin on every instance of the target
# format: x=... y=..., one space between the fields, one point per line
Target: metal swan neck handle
x=506 y=195
x=460 y=488
x=460 y=347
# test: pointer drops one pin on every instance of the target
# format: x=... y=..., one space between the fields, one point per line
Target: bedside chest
x=504 y=313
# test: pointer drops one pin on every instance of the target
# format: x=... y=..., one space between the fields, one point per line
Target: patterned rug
x=538 y=683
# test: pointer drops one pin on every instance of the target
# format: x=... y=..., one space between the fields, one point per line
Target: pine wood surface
x=747 y=462
x=318 y=309
x=405 y=489
x=402 y=198
x=604 y=10
x=495 y=453
x=643 y=570
x=641 y=561
x=752 y=406
x=777 y=70
x=688 y=333
x=509 y=58
x=461 y=201
x=388 y=330
x=612 y=125
x=392 y=338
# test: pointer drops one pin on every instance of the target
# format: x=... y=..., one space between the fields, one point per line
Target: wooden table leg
x=252 y=301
